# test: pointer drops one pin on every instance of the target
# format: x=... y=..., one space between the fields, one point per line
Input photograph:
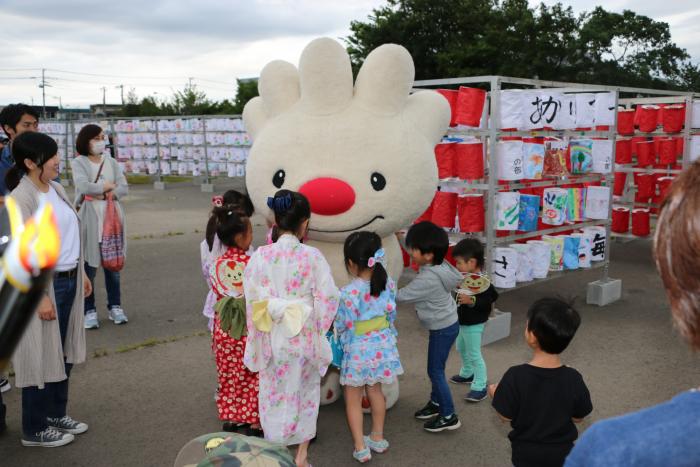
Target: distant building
x=105 y=110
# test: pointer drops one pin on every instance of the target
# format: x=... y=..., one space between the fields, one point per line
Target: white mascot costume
x=362 y=155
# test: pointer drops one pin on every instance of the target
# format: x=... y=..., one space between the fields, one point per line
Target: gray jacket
x=84 y=185
x=38 y=358
x=431 y=291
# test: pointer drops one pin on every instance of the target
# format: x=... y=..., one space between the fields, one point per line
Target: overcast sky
x=154 y=46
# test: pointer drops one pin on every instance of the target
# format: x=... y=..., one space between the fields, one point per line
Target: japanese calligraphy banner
x=566 y=115
x=585 y=110
x=598 y=243
x=540 y=254
x=604 y=109
x=504 y=267
x=509 y=155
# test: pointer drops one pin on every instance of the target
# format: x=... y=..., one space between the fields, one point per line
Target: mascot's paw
x=362 y=154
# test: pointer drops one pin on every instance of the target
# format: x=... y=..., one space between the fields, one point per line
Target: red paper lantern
x=620 y=220
x=444 y=156
x=641 y=222
x=470 y=210
x=664 y=184
x=645 y=153
x=428 y=214
x=645 y=187
x=448 y=256
x=623 y=151
x=469 y=160
x=451 y=96
x=619 y=185
x=680 y=141
x=667 y=151
x=445 y=209
x=470 y=106
x=673 y=118
x=647 y=117
x=625 y=122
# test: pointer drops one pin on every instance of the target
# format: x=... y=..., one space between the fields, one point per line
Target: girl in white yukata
x=291 y=303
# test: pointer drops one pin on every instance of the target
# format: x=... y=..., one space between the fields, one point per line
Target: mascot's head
x=362 y=154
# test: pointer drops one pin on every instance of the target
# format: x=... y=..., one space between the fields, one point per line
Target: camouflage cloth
x=233 y=450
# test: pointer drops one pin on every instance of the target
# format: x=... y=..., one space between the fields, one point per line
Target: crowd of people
x=270 y=310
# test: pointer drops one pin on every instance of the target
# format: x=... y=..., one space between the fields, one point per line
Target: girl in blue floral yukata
x=365 y=328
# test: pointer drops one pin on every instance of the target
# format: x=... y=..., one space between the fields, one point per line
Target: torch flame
x=40 y=241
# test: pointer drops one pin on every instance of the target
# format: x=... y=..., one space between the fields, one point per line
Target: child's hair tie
x=377 y=258
x=217 y=201
x=279 y=204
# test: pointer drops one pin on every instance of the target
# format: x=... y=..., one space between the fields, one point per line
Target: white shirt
x=69 y=229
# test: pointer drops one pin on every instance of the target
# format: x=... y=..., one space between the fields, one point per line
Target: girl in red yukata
x=237 y=398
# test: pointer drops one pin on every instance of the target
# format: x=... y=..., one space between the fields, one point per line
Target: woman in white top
x=55 y=337
x=94 y=175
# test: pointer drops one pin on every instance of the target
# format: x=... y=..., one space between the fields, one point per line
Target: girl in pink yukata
x=291 y=303
x=365 y=328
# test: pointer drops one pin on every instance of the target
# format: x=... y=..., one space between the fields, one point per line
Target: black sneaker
x=442 y=423
x=457 y=379
x=430 y=410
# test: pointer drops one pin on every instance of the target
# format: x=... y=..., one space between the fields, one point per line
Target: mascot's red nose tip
x=328 y=196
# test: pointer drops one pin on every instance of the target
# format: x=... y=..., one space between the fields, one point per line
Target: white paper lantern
x=504 y=267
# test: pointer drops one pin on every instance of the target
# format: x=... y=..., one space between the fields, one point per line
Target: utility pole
x=121 y=86
x=190 y=79
x=43 y=93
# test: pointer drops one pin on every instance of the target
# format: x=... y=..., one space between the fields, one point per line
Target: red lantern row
x=648 y=117
x=466 y=104
x=667 y=150
x=641 y=221
x=445 y=206
x=460 y=160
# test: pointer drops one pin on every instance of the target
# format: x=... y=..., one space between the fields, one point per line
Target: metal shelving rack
x=494 y=85
x=654 y=97
x=110 y=124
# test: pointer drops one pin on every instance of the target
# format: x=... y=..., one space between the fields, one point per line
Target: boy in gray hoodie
x=431 y=292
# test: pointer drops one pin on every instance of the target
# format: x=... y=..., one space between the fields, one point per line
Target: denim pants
x=114 y=297
x=38 y=404
x=469 y=348
x=439 y=345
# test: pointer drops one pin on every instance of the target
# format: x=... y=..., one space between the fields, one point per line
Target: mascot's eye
x=378 y=181
x=278 y=178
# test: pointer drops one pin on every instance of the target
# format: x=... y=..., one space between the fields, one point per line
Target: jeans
x=114 y=296
x=469 y=348
x=38 y=404
x=439 y=345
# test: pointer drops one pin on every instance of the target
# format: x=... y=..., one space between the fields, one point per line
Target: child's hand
x=464 y=299
x=491 y=390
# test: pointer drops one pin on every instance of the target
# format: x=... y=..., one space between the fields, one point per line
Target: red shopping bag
x=112 y=245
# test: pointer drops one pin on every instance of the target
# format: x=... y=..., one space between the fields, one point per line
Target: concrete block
x=604 y=291
x=207 y=188
x=159 y=185
x=497 y=327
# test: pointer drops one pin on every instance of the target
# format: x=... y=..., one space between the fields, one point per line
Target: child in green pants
x=473 y=313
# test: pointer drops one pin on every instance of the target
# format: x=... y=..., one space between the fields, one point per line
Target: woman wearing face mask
x=94 y=176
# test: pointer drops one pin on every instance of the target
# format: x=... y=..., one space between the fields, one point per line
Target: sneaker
x=91 y=320
x=430 y=410
x=442 y=423
x=379 y=447
x=116 y=314
x=49 y=438
x=362 y=456
x=5 y=385
x=476 y=396
x=67 y=425
x=457 y=379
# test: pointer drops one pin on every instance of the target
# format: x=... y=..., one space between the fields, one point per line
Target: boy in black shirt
x=473 y=312
x=543 y=399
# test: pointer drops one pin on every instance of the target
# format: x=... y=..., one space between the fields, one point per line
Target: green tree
x=454 y=38
x=247 y=89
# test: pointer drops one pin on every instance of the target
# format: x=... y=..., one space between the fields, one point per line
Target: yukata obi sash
x=369 y=325
x=280 y=316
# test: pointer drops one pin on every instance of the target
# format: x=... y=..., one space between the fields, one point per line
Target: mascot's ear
x=385 y=80
x=430 y=114
x=326 y=77
x=279 y=90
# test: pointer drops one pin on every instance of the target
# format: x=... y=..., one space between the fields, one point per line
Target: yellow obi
x=369 y=325
x=289 y=315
